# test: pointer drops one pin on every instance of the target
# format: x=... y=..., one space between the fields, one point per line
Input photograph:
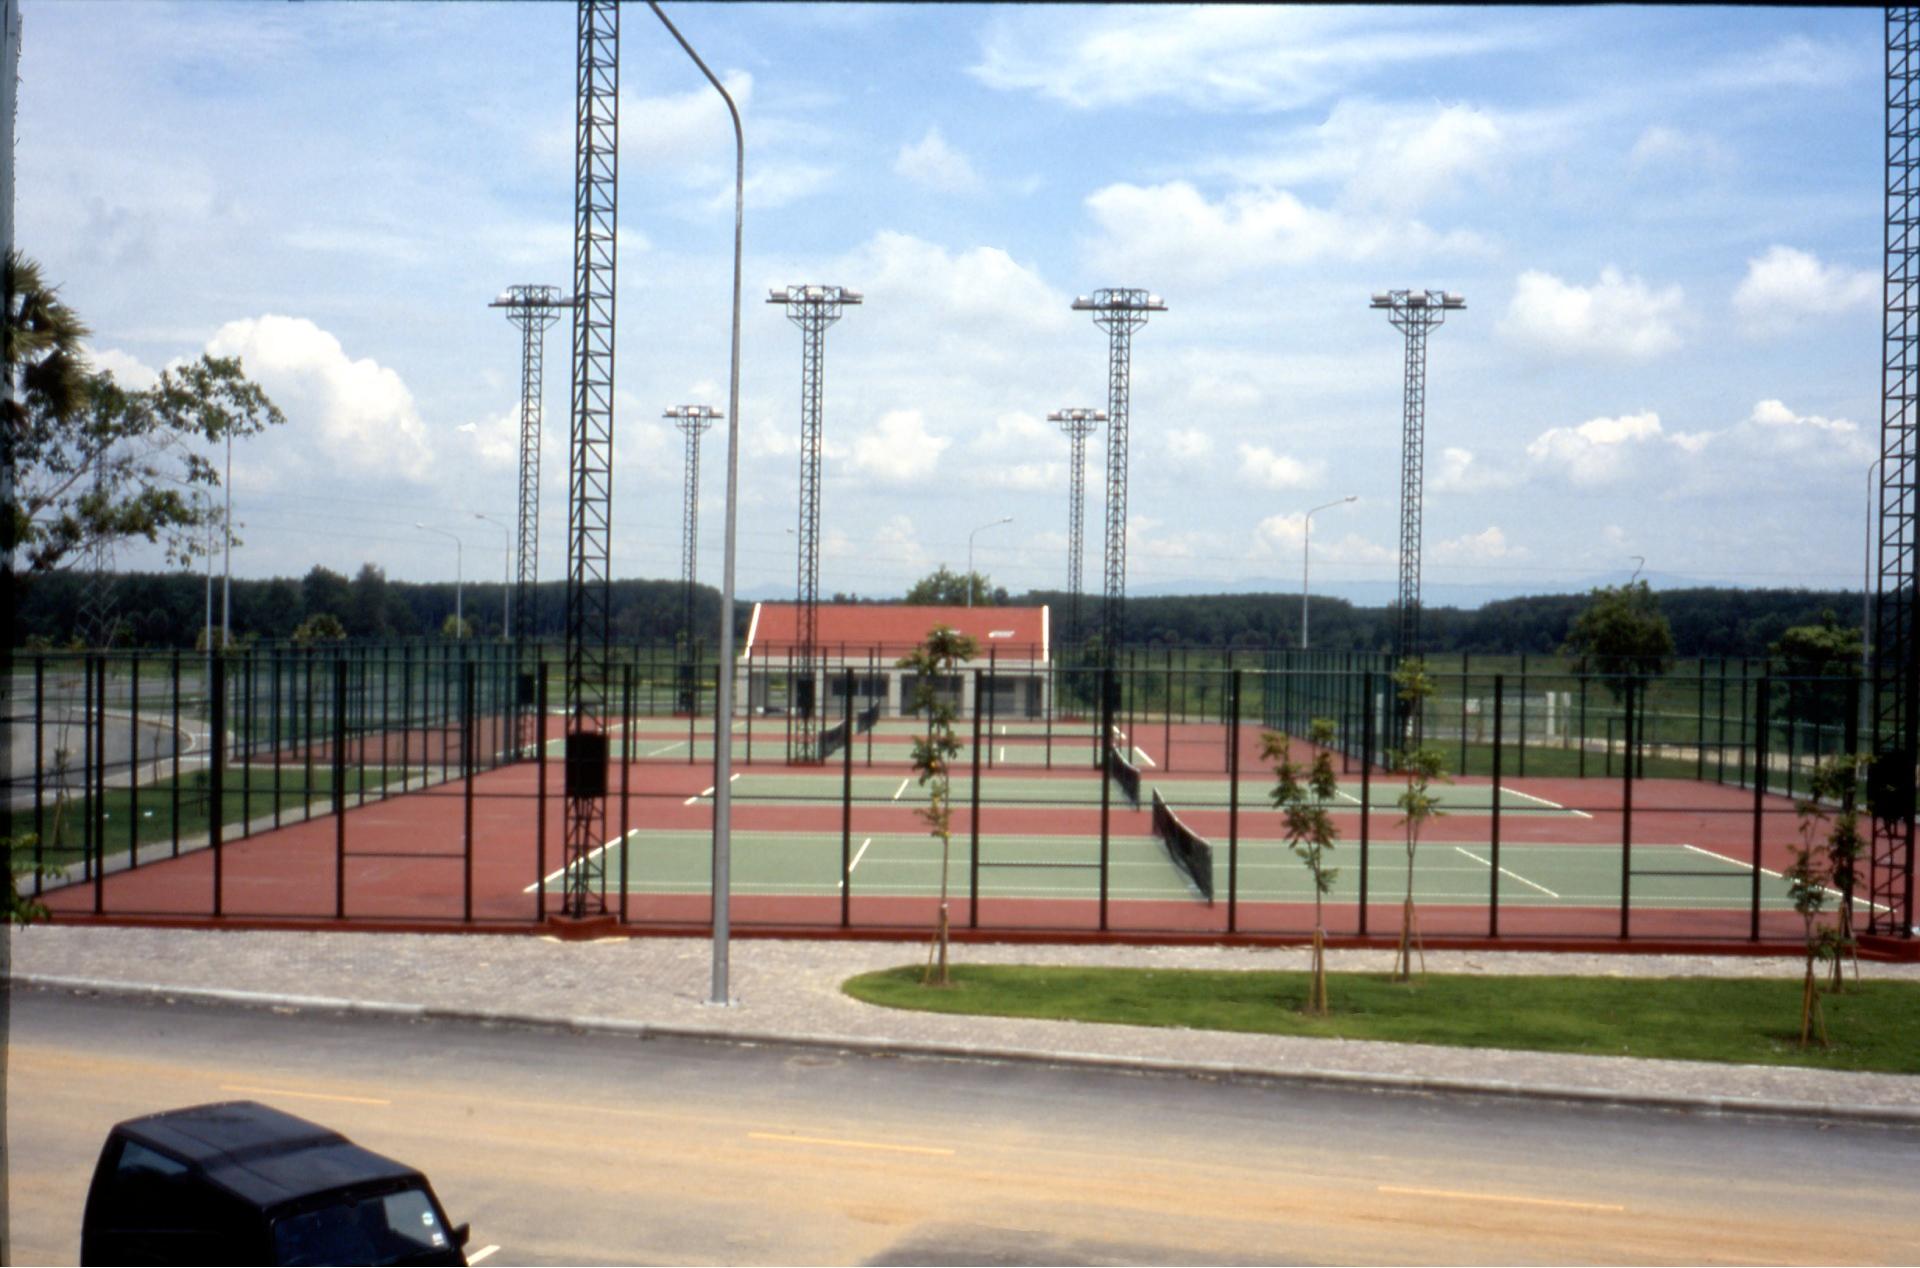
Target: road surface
x=588 y=1149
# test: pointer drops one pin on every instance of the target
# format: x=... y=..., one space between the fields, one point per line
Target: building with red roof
x=865 y=639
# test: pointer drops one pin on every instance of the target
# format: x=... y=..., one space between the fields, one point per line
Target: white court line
x=709 y=791
x=1505 y=872
x=1551 y=805
x=902 y=788
x=1349 y=796
x=668 y=749
x=1858 y=901
x=1003 y=752
x=481 y=1254
x=858 y=855
x=1142 y=754
x=603 y=848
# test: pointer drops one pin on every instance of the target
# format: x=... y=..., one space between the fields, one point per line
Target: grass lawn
x=1874 y=1025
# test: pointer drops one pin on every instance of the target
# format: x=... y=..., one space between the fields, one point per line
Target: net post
x=1626 y=817
x=1493 y=872
x=1760 y=762
x=1233 y=806
x=973 y=819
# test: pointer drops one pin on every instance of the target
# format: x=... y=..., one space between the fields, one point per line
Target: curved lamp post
x=1306 y=559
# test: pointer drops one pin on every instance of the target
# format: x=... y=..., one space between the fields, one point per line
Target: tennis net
x=1124 y=773
x=864 y=721
x=1191 y=852
x=832 y=740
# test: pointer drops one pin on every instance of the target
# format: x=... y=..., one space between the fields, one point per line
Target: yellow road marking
x=311 y=1096
x=1500 y=1197
x=852 y=1144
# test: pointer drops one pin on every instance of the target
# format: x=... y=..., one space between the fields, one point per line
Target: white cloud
x=359 y=415
x=1459 y=471
x=1792 y=62
x=1784 y=288
x=1269 y=470
x=899 y=449
x=1172 y=230
x=937 y=165
x=1490 y=545
x=902 y=273
x=1189 y=444
x=1618 y=317
x=1251 y=57
x=1285 y=536
x=1597 y=451
x=128 y=371
x=1660 y=146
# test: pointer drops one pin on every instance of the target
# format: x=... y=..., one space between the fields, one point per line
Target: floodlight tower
x=1119 y=312
x=1078 y=423
x=1413 y=313
x=596 y=151
x=813 y=309
x=694 y=420
x=1896 y=654
x=533 y=309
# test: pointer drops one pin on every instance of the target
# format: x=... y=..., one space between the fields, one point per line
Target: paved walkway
x=788 y=991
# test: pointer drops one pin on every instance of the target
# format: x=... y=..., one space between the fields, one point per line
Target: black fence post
x=626 y=776
x=1493 y=871
x=133 y=765
x=1626 y=817
x=1233 y=805
x=340 y=788
x=217 y=775
x=469 y=683
x=973 y=818
x=1761 y=762
x=846 y=813
x=1105 y=723
x=1366 y=791
x=174 y=796
x=94 y=777
x=540 y=797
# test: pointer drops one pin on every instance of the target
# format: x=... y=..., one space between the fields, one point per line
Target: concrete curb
x=1883 y=1116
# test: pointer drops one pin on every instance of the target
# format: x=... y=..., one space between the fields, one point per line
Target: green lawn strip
x=1874 y=1025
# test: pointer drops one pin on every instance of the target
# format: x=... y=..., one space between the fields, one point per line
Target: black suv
x=242 y=1183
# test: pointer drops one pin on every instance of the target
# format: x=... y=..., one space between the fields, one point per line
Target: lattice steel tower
x=1078 y=423
x=1413 y=313
x=596 y=151
x=813 y=309
x=1119 y=312
x=1896 y=678
x=694 y=420
x=533 y=309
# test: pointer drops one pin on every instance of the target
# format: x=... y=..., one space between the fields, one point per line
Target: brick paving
x=789 y=990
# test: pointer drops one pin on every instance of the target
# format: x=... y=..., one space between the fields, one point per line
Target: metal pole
x=995 y=524
x=723 y=712
x=1306 y=560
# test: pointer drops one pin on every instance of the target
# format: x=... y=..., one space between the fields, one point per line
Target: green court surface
x=908 y=865
x=1183 y=793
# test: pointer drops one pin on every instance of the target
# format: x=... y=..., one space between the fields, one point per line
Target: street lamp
x=1306 y=560
x=506 y=573
x=997 y=523
x=459 y=619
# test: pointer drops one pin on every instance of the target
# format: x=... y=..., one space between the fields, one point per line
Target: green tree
x=321 y=627
x=95 y=463
x=946 y=588
x=1302 y=796
x=1621 y=634
x=1423 y=767
x=1815 y=660
x=324 y=590
x=367 y=608
x=456 y=627
x=932 y=663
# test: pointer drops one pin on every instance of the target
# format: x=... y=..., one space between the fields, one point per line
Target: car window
x=387 y=1228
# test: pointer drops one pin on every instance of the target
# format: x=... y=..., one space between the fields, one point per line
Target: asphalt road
x=572 y=1148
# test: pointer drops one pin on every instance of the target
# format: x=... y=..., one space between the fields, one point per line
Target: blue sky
x=1666 y=222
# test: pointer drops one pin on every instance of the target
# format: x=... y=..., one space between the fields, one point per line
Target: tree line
x=162 y=610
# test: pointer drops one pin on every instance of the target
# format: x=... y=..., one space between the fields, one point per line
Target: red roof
x=1019 y=633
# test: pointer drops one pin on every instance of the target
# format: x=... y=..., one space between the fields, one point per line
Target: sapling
x=932 y=663
x=1302 y=797
x=1423 y=767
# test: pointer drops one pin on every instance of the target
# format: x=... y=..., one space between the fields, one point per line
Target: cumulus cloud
x=980 y=283
x=1785 y=288
x=899 y=449
x=1216 y=58
x=1618 y=317
x=1490 y=545
x=1597 y=451
x=1189 y=444
x=933 y=163
x=1261 y=466
x=1459 y=471
x=128 y=371
x=1659 y=146
x=1286 y=535
x=1175 y=231
x=357 y=413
